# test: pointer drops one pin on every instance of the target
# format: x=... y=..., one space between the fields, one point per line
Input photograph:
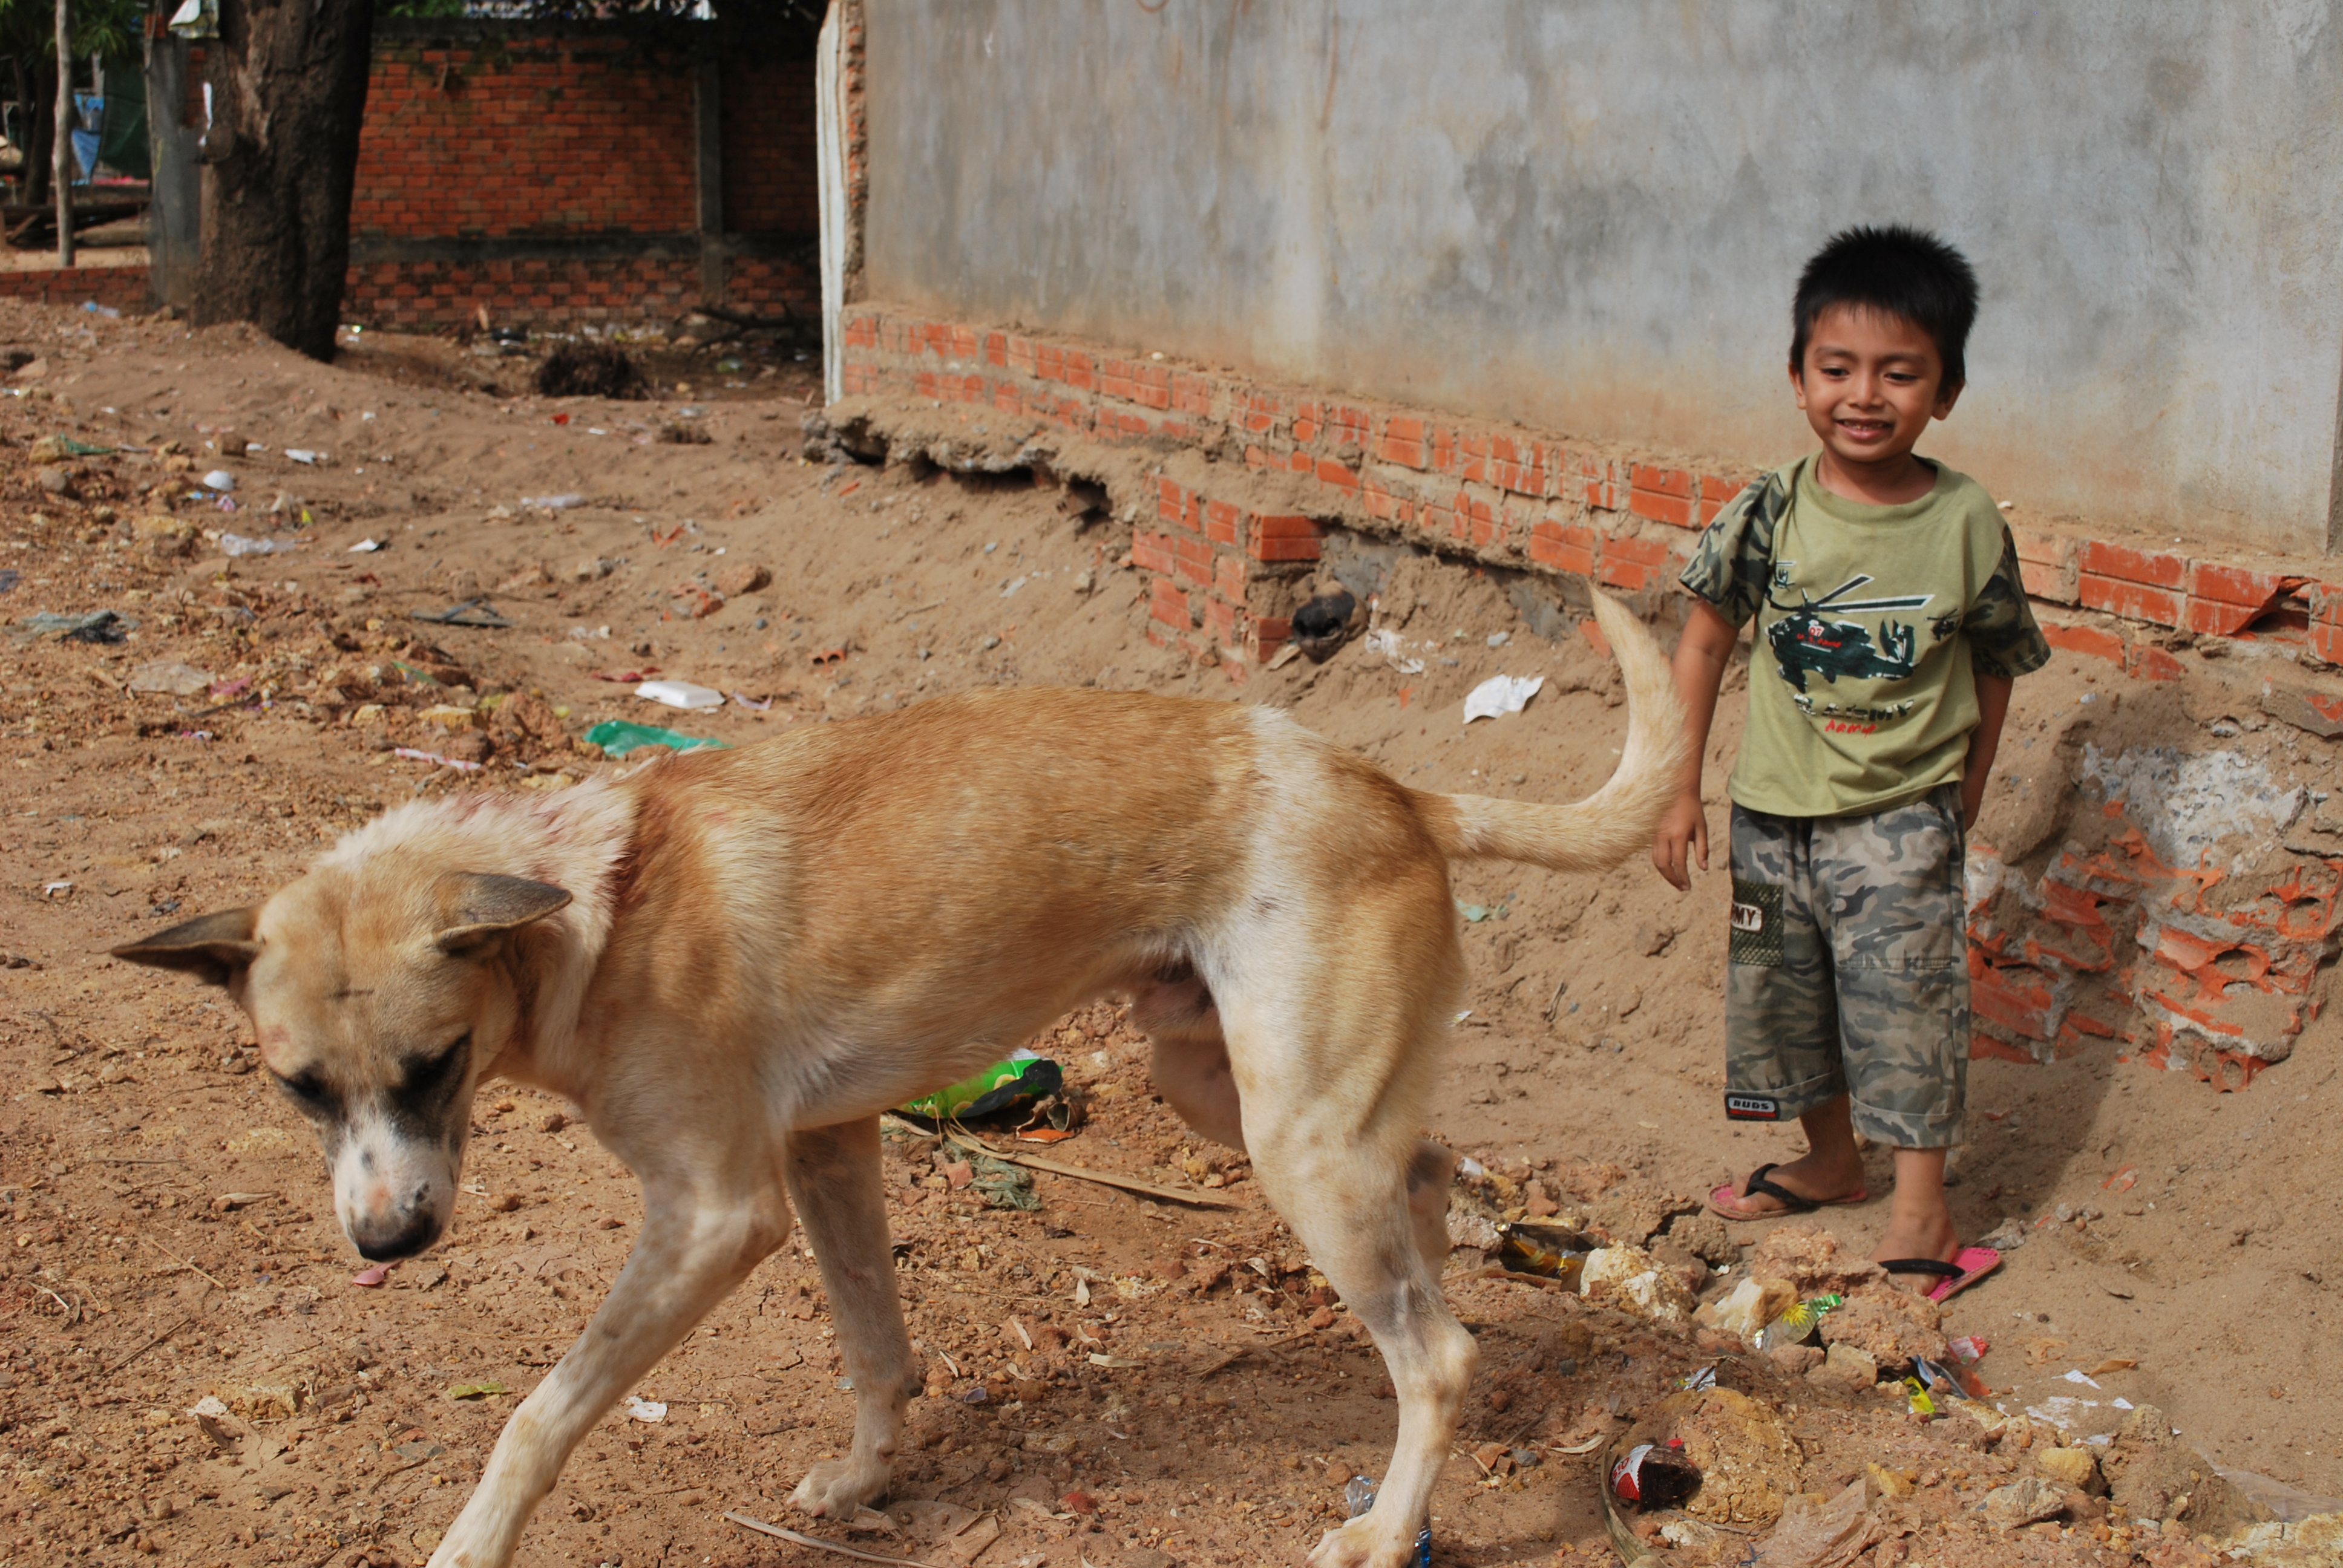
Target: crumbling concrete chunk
x=2026 y=1501
x=1809 y=1258
x=1893 y=1325
x=1634 y=1281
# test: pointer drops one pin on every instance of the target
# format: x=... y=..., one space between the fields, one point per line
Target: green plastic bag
x=1023 y=1077
x=616 y=736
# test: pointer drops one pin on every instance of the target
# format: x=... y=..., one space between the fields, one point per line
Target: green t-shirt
x=1871 y=624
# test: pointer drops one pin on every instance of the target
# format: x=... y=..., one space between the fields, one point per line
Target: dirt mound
x=592 y=371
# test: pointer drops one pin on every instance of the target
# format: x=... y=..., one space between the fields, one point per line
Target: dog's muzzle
x=393 y=1195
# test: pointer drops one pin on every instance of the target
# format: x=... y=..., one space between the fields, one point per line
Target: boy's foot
x=1798 y=1188
x=1941 y=1281
x=1928 y=1235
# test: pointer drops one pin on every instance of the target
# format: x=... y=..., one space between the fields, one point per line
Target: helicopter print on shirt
x=1807 y=639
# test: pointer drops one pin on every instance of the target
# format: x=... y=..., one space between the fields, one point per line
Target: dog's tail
x=1598 y=832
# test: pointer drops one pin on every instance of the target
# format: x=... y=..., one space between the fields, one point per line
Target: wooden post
x=64 y=164
x=708 y=159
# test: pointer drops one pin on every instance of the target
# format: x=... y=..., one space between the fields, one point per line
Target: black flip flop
x=1796 y=1202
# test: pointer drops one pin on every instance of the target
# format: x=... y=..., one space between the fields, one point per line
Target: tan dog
x=735 y=960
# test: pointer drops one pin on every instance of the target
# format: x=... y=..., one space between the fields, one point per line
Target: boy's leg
x=1890 y=888
x=1781 y=1022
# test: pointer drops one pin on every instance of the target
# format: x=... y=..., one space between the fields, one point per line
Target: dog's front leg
x=695 y=1247
x=833 y=1174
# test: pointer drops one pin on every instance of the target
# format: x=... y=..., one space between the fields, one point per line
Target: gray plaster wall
x=1587 y=218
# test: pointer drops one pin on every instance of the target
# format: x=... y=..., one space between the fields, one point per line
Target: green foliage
x=28 y=28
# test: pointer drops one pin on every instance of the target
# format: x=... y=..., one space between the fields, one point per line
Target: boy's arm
x=1993 y=707
x=1701 y=657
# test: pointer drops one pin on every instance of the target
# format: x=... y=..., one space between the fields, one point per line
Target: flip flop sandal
x=1971 y=1264
x=1721 y=1199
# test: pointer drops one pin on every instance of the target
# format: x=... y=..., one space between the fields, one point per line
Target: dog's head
x=378 y=1002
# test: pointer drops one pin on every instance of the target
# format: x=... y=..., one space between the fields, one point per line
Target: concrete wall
x=1588 y=217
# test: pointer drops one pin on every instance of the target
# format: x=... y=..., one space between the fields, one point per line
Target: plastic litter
x=1968 y=1349
x=1549 y=1252
x=302 y=454
x=473 y=612
x=680 y=694
x=170 y=677
x=1022 y=1077
x=616 y=736
x=1359 y=1495
x=652 y=1411
x=371 y=1276
x=219 y=479
x=98 y=626
x=1385 y=643
x=1915 y=1398
x=412 y=755
x=560 y=502
x=368 y=547
x=237 y=545
x=1797 y=1322
x=1655 y=1475
x=477 y=1389
x=744 y=700
x=1499 y=695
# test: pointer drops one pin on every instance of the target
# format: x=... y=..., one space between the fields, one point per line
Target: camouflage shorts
x=1848 y=970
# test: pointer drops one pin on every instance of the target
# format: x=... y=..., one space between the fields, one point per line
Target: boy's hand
x=1683 y=836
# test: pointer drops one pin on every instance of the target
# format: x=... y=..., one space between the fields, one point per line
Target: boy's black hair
x=1903 y=271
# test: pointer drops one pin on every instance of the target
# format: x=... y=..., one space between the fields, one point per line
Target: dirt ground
x=1113 y=1380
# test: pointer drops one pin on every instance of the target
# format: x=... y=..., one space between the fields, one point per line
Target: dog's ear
x=219 y=948
x=479 y=908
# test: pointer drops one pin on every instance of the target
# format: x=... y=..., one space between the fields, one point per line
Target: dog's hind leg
x=698 y=1242
x=833 y=1174
x=1333 y=1062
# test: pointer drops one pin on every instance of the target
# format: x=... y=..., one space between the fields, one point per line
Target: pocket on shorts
x=1756 y=936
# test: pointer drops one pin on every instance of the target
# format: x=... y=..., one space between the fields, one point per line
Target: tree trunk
x=67 y=164
x=40 y=131
x=288 y=80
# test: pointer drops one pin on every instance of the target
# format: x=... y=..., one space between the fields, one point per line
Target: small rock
x=592 y=568
x=449 y=716
x=1848 y=1367
x=552 y=1121
x=1633 y=1280
x=2073 y=1469
x=505 y=1202
x=745 y=578
x=56 y=481
x=2023 y=1502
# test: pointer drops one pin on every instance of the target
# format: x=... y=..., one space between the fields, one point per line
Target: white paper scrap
x=1502 y=694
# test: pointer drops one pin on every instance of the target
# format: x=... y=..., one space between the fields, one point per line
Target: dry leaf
x=2114 y=1363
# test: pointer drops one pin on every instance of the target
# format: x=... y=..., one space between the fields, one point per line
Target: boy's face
x=1869 y=384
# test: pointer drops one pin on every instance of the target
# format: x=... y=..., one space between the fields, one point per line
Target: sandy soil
x=1161 y=1382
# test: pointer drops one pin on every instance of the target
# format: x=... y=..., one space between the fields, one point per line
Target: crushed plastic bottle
x=1797 y=1322
x=1358 y=1496
x=1655 y=1475
x=617 y=737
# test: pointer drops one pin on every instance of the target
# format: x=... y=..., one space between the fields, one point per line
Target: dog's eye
x=426 y=1076
x=308 y=1088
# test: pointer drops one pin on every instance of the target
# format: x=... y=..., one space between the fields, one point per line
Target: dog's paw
x=835 y=1488
x=1356 y=1545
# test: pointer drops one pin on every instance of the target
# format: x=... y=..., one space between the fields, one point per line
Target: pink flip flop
x=1721 y=1199
x=1968 y=1267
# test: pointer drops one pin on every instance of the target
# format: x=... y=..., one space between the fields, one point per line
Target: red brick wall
x=766 y=111
x=531 y=136
x=1498 y=495
x=123 y=288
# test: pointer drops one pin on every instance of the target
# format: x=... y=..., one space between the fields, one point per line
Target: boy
x=1890 y=625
